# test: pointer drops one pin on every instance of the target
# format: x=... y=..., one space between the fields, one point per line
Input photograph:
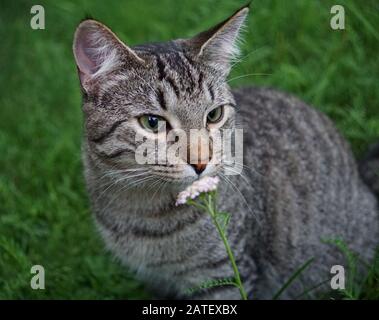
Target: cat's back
x=305 y=175
x=266 y=109
x=280 y=125
x=301 y=155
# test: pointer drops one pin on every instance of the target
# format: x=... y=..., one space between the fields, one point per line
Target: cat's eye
x=150 y=122
x=215 y=115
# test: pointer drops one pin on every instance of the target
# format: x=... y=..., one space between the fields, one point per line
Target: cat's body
x=303 y=187
x=300 y=182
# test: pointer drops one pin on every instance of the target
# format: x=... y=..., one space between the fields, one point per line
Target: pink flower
x=203 y=185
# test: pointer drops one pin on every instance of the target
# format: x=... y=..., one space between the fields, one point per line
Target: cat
x=300 y=183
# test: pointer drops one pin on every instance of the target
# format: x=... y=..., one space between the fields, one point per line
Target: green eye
x=215 y=115
x=150 y=122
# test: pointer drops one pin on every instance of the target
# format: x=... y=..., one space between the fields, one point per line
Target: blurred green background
x=44 y=213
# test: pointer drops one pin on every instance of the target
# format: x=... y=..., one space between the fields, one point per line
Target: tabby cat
x=300 y=183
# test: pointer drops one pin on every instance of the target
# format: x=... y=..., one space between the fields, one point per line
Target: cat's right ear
x=98 y=51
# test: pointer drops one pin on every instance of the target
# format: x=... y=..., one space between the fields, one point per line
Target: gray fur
x=369 y=168
x=300 y=183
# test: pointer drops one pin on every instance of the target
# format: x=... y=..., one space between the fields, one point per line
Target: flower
x=203 y=185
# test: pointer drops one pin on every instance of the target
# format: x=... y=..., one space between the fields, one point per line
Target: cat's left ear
x=218 y=46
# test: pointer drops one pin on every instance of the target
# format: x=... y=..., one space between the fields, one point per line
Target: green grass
x=362 y=278
x=44 y=214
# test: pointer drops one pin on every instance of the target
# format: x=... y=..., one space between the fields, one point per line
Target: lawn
x=44 y=213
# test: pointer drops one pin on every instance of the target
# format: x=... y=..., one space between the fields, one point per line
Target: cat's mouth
x=186 y=174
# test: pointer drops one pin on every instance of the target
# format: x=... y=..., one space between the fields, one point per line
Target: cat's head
x=127 y=91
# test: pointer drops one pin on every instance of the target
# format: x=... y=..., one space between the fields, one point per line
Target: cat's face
x=130 y=93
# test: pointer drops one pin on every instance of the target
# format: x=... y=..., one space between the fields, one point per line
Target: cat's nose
x=199 y=167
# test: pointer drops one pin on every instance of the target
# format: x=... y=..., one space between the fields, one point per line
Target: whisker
x=241 y=195
x=122 y=179
x=161 y=183
x=242 y=176
x=249 y=75
x=243 y=166
x=245 y=56
x=123 y=189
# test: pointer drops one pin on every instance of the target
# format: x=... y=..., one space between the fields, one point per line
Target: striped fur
x=300 y=182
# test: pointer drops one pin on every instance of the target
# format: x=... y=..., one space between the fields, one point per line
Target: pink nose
x=199 y=167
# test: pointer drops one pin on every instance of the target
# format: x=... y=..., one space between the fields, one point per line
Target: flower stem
x=213 y=212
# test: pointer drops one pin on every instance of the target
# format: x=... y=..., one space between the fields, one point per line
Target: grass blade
x=292 y=278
